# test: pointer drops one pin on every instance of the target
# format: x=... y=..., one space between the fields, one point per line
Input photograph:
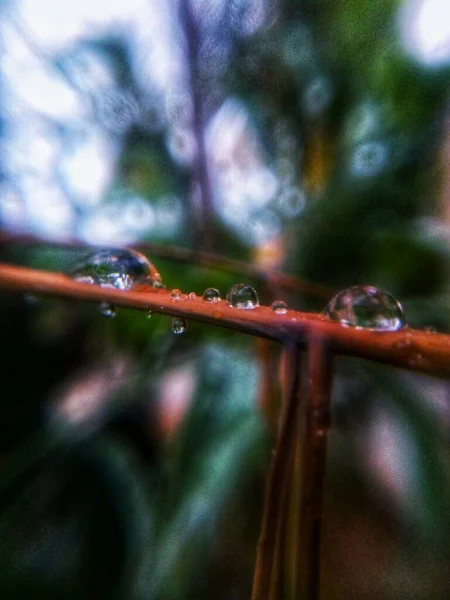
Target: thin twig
x=420 y=351
x=277 y=279
x=312 y=444
x=201 y=177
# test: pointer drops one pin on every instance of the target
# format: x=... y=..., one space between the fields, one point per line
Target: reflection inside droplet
x=211 y=295
x=117 y=268
x=280 y=307
x=179 y=325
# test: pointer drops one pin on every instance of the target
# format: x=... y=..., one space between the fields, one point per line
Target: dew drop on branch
x=116 y=268
x=366 y=307
x=107 y=309
x=211 y=295
x=242 y=295
x=176 y=294
x=279 y=307
x=179 y=325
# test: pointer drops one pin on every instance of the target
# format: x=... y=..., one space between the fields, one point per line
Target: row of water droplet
x=363 y=307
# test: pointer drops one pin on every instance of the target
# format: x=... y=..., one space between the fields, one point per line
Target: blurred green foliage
x=132 y=461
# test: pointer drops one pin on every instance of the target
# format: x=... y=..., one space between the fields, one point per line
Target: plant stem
x=312 y=436
x=204 y=210
x=268 y=577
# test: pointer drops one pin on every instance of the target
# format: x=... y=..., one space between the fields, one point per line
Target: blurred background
x=309 y=136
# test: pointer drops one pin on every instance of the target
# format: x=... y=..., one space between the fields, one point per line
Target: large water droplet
x=242 y=295
x=116 y=268
x=107 y=309
x=364 y=306
x=211 y=295
x=179 y=325
x=280 y=307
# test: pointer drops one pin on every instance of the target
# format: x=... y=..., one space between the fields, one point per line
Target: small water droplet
x=367 y=307
x=107 y=309
x=430 y=329
x=157 y=282
x=31 y=299
x=280 y=307
x=149 y=314
x=176 y=294
x=211 y=295
x=192 y=296
x=242 y=295
x=179 y=325
x=116 y=268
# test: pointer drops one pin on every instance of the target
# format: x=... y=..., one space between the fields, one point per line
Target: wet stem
x=287 y=566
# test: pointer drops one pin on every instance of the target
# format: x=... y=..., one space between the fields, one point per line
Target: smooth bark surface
x=416 y=350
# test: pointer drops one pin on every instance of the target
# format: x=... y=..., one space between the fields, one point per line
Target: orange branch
x=408 y=348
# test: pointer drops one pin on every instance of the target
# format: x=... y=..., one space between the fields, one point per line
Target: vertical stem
x=312 y=458
x=204 y=209
x=268 y=397
x=266 y=576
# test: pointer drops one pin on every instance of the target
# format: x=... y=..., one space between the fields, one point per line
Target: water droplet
x=211 y=295
x=116 y=268
x=280 y=307
x=179 y=325
x=176 y=294
x=192 y=296
x=157 y=282
x=107 y=309
x=364 y=306
x=242 y=295
x=149 y=314
x=31 y=299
